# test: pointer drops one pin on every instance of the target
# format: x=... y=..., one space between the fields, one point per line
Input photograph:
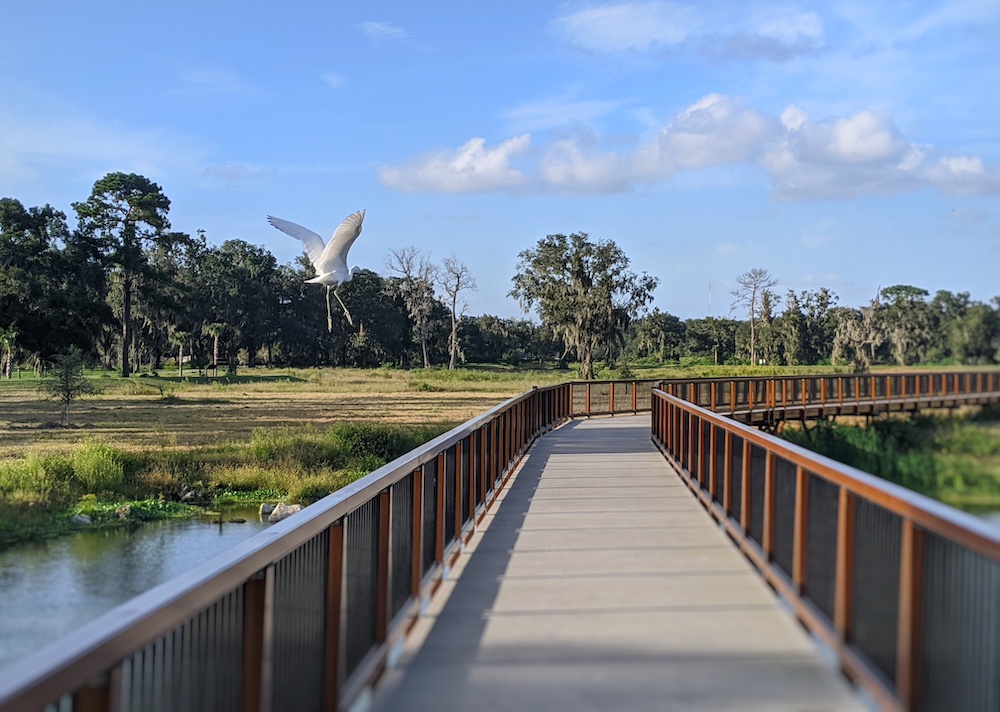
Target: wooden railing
x=903 y=589
x=767 y=399
x=305 y=614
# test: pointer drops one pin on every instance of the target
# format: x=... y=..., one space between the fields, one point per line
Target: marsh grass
x=955 y=459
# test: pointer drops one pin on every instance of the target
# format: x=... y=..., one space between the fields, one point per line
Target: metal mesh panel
x=644 y=396
x=706 y=453
x=821 y=543
x=450 y=494
x=694 y=443
x=600 y=394
x=298 y=634
x=758 y=464
x=429 y=534
x=361 y=530
x=197 y=666
x=401 y=494
x=477 y=464
x=960 y=668
x=736 y=458
x=720 y=463
x=876 y=585
x=467 y=478
x=784 y=514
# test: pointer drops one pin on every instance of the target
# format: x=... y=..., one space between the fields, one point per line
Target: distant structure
x=330 y=259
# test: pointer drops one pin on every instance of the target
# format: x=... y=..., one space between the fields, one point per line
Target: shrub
x=99 y=468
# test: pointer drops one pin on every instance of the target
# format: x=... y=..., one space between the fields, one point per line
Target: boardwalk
x=599 y=583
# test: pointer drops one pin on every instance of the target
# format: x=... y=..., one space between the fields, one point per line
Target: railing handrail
x=887 y=574
x=947 y=521
x=69 y=663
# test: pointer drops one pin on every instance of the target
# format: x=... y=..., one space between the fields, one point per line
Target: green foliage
x=99 y=468
x=953 y=459
x=65 y=380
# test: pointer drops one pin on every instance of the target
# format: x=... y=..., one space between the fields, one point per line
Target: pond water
x=48 y=588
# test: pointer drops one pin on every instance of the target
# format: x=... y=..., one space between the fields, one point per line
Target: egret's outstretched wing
x=337 y=248
x=310 y=240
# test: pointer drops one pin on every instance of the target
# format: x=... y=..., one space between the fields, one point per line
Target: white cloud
x=713 y=131
x=637 y=26
x=865 y=154
x=333 y=80
x=728 y=34
x=379 y=32
x=837 y=158
x=471 y=168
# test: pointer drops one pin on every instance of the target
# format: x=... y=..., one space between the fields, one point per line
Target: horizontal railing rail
x=766 y=399
x=905 y=590
x=304 y=615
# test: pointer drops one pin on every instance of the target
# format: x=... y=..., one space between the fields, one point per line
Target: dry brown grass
x=144 y=413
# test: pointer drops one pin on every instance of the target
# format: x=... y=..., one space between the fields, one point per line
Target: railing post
x=588 y=400
x=611 y=398
x=333 y=661
x=801 y=535
x=911 y=580
x=713 y=394
x=101 y=694
x=843 y=598
x=458 y=490
x=635 y=396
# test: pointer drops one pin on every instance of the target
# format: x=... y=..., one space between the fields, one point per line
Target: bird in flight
x=330 y=259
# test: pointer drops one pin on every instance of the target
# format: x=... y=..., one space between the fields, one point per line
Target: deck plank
x=599 y=583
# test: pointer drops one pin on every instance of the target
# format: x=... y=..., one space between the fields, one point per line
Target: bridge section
x=599 y=583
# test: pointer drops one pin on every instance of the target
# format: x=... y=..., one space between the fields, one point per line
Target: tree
x=582 y=290
x=125 y=212
x=8 y=339
x=454 y=278
x=912 y=326
x=860 y=335
x=64 y=380
x=215 y=330
x=750 y=294
x=416 y=286
x=178 y=339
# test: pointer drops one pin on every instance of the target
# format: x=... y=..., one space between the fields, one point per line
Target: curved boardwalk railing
x=904 y=590
x=304 y=615
x=769 y=399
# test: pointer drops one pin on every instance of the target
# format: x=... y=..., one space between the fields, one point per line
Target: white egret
x=330 y=260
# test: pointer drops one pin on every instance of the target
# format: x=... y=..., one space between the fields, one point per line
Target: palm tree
x=215 y=330
x=179 y=338
x=8 y=337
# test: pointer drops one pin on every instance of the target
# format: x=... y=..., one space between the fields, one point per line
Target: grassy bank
x=955 y=459
x=41 y=493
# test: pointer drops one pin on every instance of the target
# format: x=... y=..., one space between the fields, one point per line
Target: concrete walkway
x=599 y=583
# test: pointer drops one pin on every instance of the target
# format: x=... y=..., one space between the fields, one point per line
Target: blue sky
x=848 y=144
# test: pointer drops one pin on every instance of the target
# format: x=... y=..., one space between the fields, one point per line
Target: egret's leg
x=329 y=316
x=346 y=313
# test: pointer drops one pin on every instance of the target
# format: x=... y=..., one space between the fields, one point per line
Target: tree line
x=131 y=293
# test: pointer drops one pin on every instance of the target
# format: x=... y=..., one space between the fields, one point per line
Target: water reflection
x=49 y=588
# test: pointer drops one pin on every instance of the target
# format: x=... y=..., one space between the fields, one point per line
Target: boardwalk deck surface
x=599 y=583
